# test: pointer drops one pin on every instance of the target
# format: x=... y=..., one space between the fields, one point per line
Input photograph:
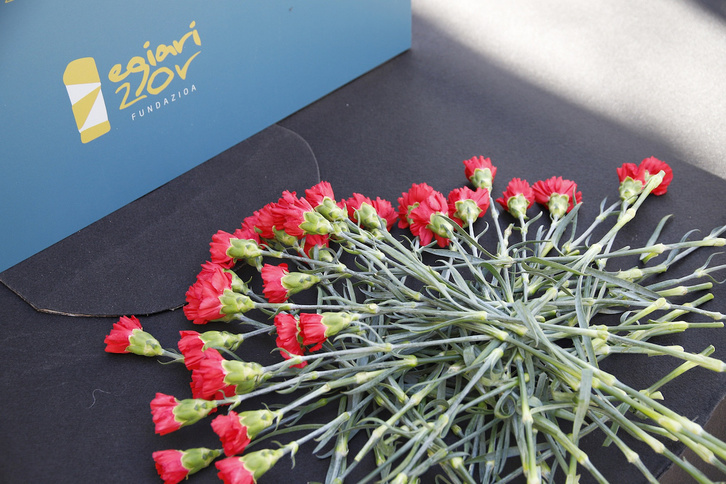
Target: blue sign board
x=101 y=102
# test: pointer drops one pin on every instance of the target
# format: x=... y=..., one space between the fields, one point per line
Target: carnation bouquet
x=434 y=352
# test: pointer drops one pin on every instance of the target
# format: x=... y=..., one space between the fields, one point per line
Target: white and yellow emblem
x=84 y=90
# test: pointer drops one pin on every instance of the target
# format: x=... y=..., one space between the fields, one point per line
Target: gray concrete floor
x=656 y=67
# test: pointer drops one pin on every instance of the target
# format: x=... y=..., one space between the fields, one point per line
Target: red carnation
x=172 y=464
x=117 y=340
x=426 y=222
x=312 y=330
x=288 y=337
x=127 y=336
x=192 y=347
x=385 y=211
x=219 y=246
x=410 y=200
x=264 y=219
x=169 y=466
x=233 y=471
x=237 y=430
x=232 y=433
x=559 y=195
x=317 y=194
x=170 y=414
x=216 y=296
x=297 y=217
x=517 y=198
x=629 y=170
x=313 y=240
x=162 y=411
x=217 y=378
x=650 y=167
x=203 y=304
x=208 y=378
x=634 y=178
x=289 y=213
x=467 y=205
x=246 y=469
x=226 y=249
x=369 y=213
x=316 y=328
x=248 y=231
x=272 y=276
x=353 y=205
x=279 y=283
x=322 y=199
x=480 y=172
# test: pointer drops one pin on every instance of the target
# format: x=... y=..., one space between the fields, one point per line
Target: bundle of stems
x=486 y=366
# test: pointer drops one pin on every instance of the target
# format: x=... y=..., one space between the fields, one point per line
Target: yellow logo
x=141 y=77
x=84 y=90
x=151 y=78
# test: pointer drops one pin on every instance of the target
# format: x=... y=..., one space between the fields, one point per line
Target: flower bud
x=368 y=217
x=517 y=205
x=440 y=225
x=630 y=188
x=221 y=339
x=245 y=249
x=315 y=223
x=467 y=211
x=335 y=322
x=245 y=376
x=191 y=410
x=199 y=458
x=331 y=211
x=258 y=420
x=400 y=478
x=284 y=238
x=235 y=303
x=142 y=343
x=558 y=205
x=261 y=461
x=295 y=282
x=482 y=178
x=237 y=284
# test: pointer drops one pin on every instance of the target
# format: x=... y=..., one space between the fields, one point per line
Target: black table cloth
x=73 y=413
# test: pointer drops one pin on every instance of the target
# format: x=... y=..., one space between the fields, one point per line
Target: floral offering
x=444 y=355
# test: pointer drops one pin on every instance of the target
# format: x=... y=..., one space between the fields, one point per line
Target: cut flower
x=411 y=199
x=236 y=431
x=279 y=283
x=248 y=468
x=517 y=198
x=174 y=466
x=214 y=296
x=429 y=220
x=480 y=172
x=465 y=356
x=467 y=205
x=633 y=178
x=127 y=336
x=288 y=337
x=170 y=414
x=557 y=194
